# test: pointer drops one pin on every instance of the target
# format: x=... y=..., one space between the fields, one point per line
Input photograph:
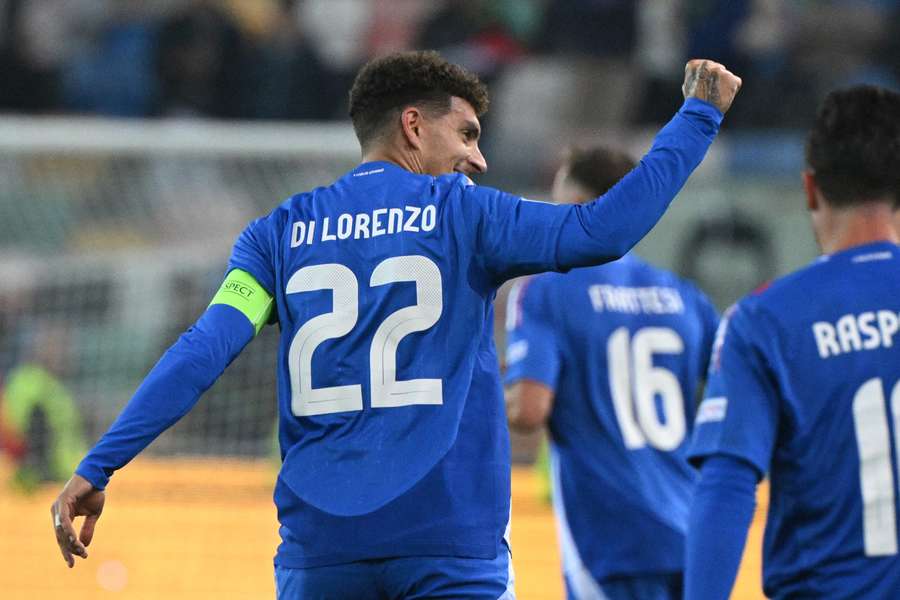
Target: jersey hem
x=292 y=560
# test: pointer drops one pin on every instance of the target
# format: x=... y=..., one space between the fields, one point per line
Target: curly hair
x=854 y=146
x=385 y=85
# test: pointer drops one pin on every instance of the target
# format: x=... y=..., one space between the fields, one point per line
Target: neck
x=865 y=224
x=405 y=158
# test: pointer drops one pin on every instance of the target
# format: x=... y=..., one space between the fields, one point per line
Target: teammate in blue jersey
x=610 y=358
x=395 y=475
x=804 y=385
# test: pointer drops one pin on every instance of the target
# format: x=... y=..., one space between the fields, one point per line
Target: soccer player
x=804 y=384
x=395 y=475
x=610 y=358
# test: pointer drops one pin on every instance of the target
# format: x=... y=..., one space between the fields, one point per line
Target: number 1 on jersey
x=876 y=478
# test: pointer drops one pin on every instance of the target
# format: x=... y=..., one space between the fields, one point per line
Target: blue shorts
x=666 y=586
x=407 y=578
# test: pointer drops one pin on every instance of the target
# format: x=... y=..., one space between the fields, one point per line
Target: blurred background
x=138 y=138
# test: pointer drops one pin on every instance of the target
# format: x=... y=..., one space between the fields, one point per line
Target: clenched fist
x=710 y=81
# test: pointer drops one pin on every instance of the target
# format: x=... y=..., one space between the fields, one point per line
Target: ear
x=812 y=190
x=411 y=125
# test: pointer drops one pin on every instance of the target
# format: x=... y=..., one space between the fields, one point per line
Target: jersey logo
x=715 y=361
x=711 y=410
x=370 y=172
x=516 y=352
x=864 y=258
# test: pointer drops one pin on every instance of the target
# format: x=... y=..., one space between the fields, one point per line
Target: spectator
x=599 y=28
x=114 y=75
x=289 y=79
x=476 y=34
x=38 y=418
x=30 y=76
x=200 y=57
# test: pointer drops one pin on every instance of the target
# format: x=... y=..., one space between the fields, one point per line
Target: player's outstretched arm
x=520 y=237
x=168 y=392
x=610 y=226
x=78 y=499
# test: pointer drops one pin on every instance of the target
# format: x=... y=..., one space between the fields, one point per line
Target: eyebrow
x=471 y=126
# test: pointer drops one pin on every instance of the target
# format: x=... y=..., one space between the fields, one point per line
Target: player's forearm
x=721 y=512
x=528 y=405
x=170 y=390
x=610 y=226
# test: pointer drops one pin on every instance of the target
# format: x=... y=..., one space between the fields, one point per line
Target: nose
x=476 y=161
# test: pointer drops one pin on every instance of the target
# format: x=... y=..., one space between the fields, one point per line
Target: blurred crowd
x=294 y=59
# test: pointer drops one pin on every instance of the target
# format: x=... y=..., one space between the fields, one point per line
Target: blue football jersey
x=392 y=427
x=624 y=346
x=391 y=421
x=804 y=384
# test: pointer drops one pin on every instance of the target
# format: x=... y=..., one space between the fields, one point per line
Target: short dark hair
x=597 y=168
x=854 y=146
x=385 y=85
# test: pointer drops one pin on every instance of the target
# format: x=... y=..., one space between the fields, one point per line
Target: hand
x=710 y=81
x=77 y=499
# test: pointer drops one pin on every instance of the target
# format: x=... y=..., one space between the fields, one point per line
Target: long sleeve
x=720 y=516
x=170 y=390
x=610 y=226
x=515 y=236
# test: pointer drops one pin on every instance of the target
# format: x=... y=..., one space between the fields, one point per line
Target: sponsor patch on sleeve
x=516 y=352
x=711 y=410
x=715 y=362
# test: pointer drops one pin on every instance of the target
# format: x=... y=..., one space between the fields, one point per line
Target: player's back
x=633 y=342
x=830 y=337
x=388 y=390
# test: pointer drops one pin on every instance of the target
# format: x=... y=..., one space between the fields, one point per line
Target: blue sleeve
x=517 y=236
x=721 y=513
x=531 y=347
x=170 y=390
x=710 y=319
x=255 y=249
x=739 y=415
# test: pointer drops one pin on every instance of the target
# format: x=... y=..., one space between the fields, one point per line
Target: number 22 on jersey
x=386 y=390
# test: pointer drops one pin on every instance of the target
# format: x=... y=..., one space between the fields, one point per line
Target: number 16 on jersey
x=635 y=382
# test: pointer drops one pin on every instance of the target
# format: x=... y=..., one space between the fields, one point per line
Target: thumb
x=87 y=529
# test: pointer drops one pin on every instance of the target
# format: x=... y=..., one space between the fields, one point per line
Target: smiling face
x=420 y=112
x=449 y=141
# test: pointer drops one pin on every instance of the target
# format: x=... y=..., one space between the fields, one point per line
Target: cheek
x=452 y=153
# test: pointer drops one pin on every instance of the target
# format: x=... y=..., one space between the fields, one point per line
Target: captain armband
x=240 y=290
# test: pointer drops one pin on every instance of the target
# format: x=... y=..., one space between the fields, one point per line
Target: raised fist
x=710 y=81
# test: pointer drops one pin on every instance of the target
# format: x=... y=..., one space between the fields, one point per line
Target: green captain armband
x=240 y=290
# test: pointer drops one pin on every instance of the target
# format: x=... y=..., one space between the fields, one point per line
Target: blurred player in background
x=395 y=475
x=40 y=428
x=804 y=385
x=610 y=357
